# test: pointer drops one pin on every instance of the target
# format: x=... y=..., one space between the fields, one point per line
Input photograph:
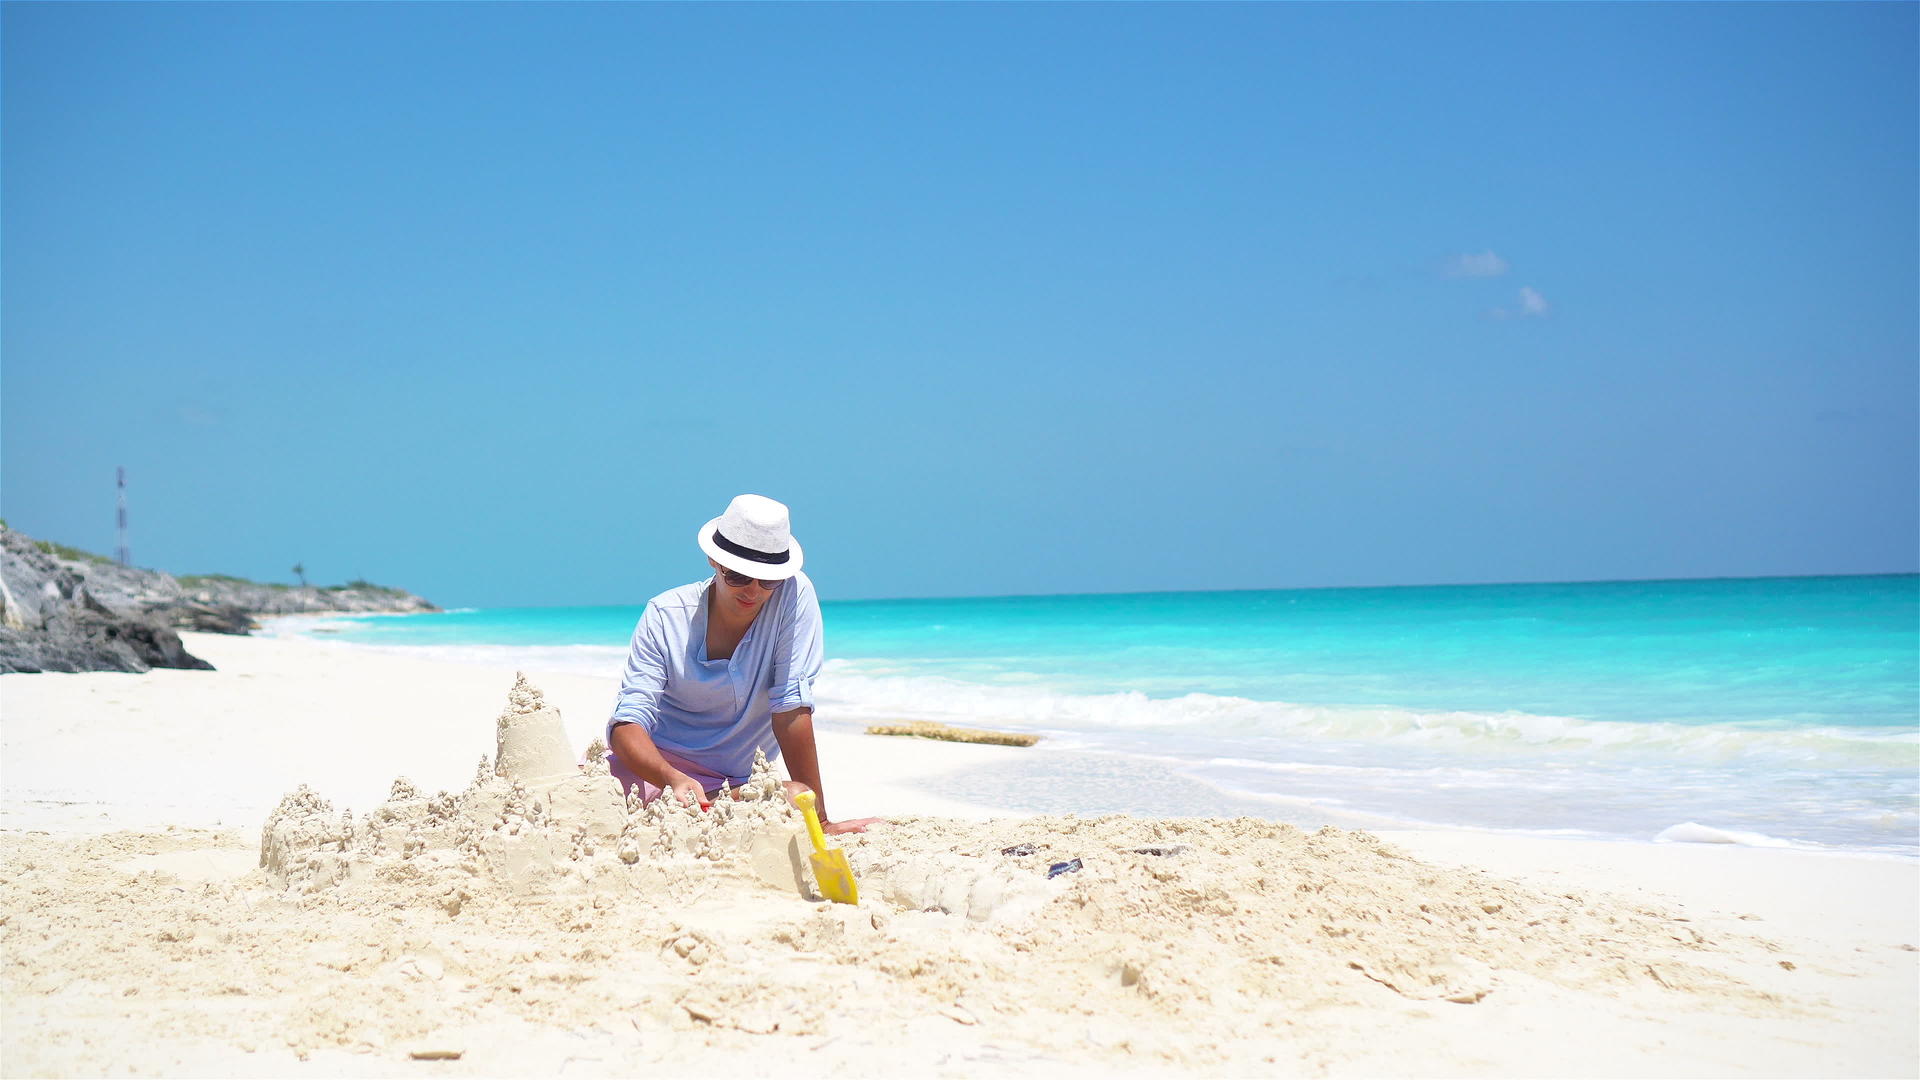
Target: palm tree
x=301 y=570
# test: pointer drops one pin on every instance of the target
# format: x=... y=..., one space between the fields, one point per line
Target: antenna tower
x=126 y=558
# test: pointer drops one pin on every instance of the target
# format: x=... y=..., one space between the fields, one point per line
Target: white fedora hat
x=753 y=538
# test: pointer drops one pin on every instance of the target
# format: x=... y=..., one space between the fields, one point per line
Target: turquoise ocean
x=1777 y=711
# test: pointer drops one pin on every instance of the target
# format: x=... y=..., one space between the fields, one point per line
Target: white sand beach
x=553 y=932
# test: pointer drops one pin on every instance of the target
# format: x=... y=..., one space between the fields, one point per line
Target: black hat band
x=772 y=557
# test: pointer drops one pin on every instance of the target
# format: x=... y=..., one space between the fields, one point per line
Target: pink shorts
x=709 y=781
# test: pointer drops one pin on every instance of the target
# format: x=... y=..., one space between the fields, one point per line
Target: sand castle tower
x=530 y=741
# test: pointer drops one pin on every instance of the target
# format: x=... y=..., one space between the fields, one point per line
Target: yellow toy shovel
x=830 y=869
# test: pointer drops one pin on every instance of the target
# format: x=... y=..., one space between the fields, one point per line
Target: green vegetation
x=62 y=551
x=194 y=581
x=363 y=585
x=72 y=554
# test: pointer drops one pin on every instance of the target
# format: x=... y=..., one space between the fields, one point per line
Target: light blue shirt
x=716 y=713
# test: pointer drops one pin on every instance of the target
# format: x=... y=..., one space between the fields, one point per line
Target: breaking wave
x=847 y=692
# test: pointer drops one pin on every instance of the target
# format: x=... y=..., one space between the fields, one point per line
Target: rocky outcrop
x=89 y=614
x=258 y=599
x=130 y=592
x=50 y=621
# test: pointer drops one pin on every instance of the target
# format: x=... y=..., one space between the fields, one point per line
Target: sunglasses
x=741 y=581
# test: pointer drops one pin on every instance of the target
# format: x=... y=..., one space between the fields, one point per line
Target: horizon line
x=1289 y=588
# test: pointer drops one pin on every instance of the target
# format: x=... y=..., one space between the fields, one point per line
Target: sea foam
x=846 y=691
x=1692 y=832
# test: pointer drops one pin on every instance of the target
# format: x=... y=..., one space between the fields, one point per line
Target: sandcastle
x=542 y=890
x=530 y=744
x=536 y=819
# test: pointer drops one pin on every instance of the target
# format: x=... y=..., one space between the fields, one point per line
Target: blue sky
x=499 y=302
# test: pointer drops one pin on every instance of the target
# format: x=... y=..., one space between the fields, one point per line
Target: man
x=724 y=667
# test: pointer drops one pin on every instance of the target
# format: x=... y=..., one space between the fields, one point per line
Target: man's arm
x=793 y=730
x=637 y=709
x=796 y=663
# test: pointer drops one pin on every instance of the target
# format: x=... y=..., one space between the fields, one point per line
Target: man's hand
x=835 y=828
x=831 y=828
x=686 y=789
x=634 y=747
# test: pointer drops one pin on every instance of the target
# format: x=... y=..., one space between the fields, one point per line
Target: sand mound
x=541 y=895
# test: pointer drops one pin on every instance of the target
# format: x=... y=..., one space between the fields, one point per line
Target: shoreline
x=1087 y=780
x=1059 y=766
x=1051 y=779
x=197 y=760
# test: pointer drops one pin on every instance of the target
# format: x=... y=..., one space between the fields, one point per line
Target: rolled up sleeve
x=645 y=679
x=797 y=656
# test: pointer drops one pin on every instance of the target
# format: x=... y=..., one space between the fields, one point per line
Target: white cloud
x=1485 y=264
x=1532 y=306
